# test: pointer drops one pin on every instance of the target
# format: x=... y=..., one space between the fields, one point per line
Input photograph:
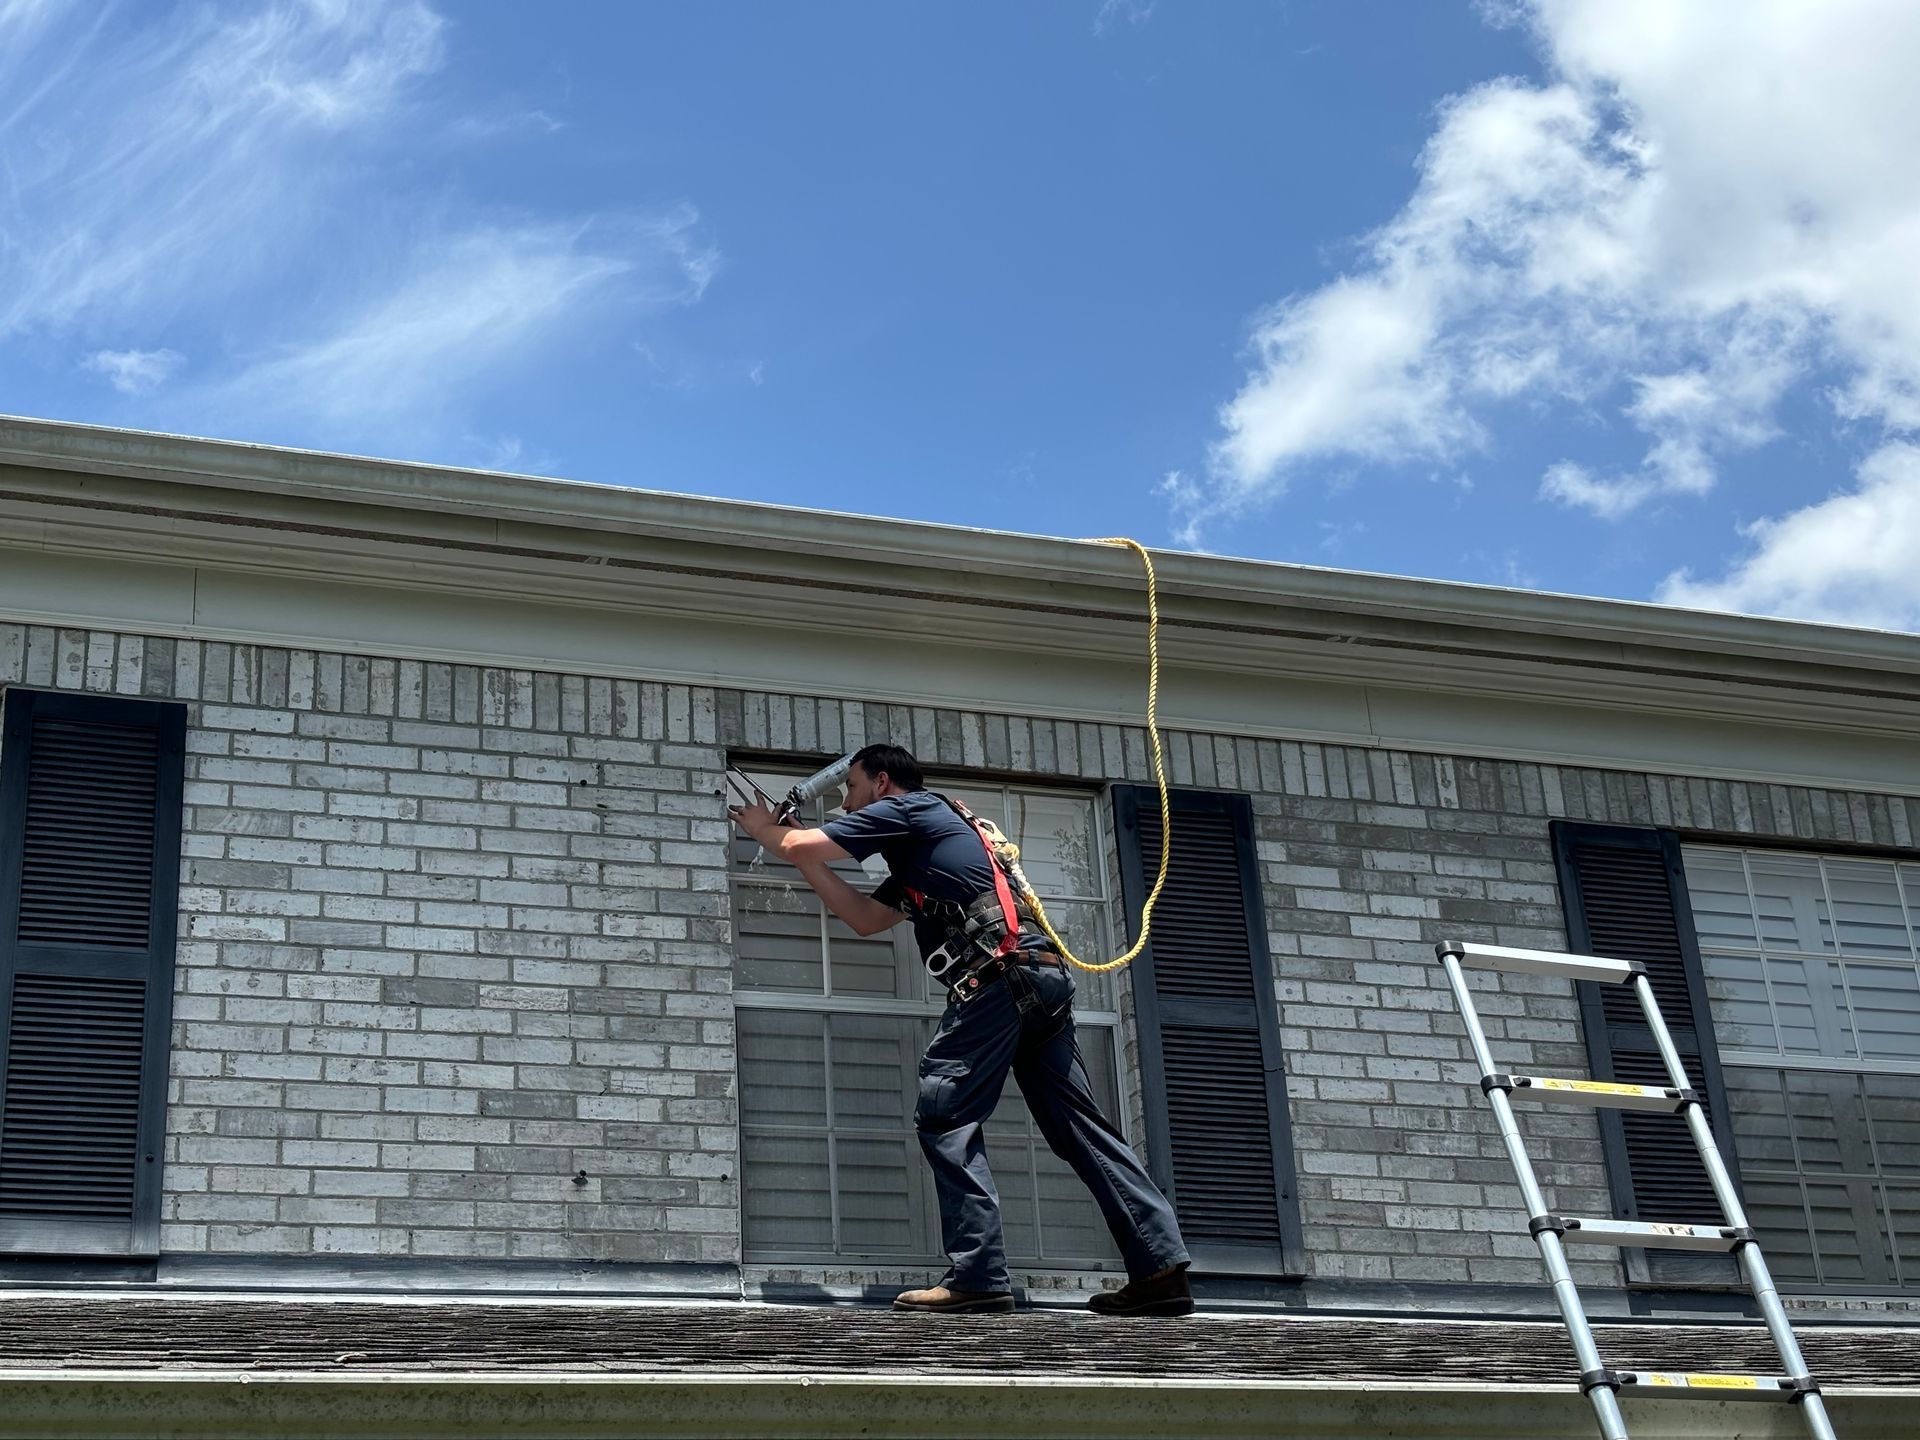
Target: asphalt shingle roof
x=332 y=1336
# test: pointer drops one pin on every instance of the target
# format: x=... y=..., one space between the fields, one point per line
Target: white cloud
x=1346 y=371
x=1121 y=12
x=1383 y=364
x=510 y=454
x=1185 y=496
x=1336 y=535
x=1610 y=499
x=1848 y=559
x=170 y=155
x=481 y=129
x=1720 y=405
x=245 y=184
x=135 y=372
x=469 y=305
x=1705 y=206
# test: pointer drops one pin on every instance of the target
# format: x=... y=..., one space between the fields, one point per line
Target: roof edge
x=593 y=507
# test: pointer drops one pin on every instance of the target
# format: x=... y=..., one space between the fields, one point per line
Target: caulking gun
x=822 y=781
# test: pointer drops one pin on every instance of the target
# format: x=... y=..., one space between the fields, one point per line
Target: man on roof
x=1010 y=1009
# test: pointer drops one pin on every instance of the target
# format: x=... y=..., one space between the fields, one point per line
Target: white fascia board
x=599 y=509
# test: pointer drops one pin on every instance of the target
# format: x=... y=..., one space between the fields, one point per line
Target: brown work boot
x=1166 y=1293
x=942 y=1301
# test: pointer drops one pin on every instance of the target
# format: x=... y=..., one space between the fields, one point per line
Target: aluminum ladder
x=1602 y=1386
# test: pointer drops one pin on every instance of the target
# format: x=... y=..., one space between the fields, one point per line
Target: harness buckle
x=940 y=962
x=973 y=984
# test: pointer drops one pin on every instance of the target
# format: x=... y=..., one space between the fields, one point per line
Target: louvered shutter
x=89 y=872
x=1624 y=893
x=1218 y=1137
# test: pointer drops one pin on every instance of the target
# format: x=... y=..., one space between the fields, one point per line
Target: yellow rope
x=1159 y=775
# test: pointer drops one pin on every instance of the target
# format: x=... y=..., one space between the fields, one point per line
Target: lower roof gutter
x=430 y=1405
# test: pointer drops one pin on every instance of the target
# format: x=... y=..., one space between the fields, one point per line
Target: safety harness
x=982 y=935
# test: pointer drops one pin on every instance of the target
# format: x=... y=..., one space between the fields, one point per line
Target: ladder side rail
x=1759 y=1278
x=1606 y=1403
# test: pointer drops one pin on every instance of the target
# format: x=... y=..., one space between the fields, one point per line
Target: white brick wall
x=451 y=935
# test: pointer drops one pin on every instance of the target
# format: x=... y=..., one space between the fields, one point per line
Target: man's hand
x=757 y=820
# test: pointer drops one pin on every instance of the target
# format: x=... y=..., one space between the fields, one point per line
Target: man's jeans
x=961 y=1077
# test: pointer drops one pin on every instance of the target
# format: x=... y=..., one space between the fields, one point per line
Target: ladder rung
x=1674 y=1384
x=1660 y=1236
x=1600 y=1094
x=1539 y=962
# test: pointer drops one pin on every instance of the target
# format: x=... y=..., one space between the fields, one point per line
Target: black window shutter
x=89 y=888
x=1219 y=1141
x=1625 y=896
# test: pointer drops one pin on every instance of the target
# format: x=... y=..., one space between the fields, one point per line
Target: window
x=1813 y=970
x=831 y=1028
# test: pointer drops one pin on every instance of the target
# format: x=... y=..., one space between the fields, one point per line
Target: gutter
x=305 y=1405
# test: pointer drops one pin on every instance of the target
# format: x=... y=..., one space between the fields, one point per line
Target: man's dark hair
x=892 y=761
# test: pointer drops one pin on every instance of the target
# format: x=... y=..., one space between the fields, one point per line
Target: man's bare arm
x=790 y=843
x=860 y=913
x=813 y=853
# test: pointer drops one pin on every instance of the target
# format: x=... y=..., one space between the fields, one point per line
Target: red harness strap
x=1009 y=942
x=1009 y=913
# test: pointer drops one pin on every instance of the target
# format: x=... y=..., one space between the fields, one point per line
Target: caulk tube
x=830 y=777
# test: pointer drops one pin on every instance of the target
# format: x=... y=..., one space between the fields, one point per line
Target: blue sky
x=1601 y=296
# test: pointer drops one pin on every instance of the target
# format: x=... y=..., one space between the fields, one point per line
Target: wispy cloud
x=466 y=305
x=1719 y=405
x=134 y=372
x=1703 y=209
x=1336 y=536
x=151 y=161
x=1121 y=12
x=671 y=368
x=509 y=453
x=242 y=184
x=23 y=21
x=477 y=129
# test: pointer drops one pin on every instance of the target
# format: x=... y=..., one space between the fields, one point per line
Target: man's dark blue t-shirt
x=927 y=847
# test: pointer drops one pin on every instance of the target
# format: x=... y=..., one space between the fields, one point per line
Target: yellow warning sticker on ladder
x=1724 y=1382
x=1589 y=1087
